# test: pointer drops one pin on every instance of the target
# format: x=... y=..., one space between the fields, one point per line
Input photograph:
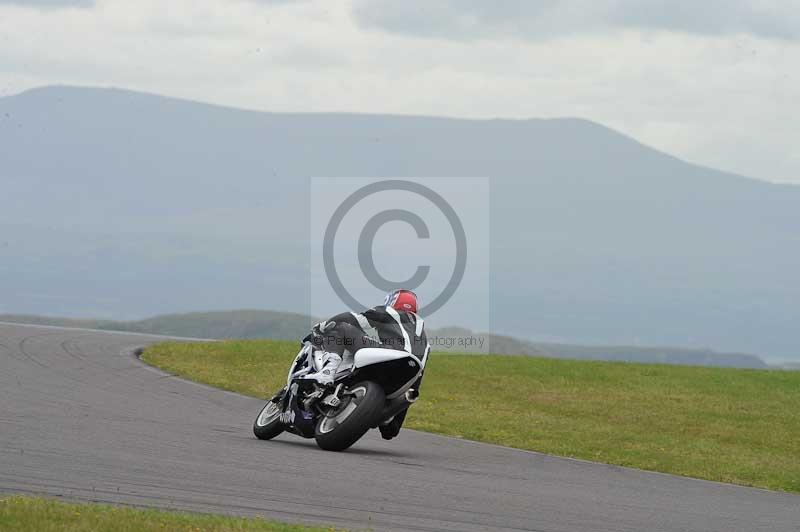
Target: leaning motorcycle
x=369 y=388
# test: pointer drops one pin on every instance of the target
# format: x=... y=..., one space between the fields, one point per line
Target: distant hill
x=225 y=324
x=507 y=345
x=289 y=326
x=128 y=204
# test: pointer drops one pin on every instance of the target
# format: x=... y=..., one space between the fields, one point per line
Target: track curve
x=80 y=417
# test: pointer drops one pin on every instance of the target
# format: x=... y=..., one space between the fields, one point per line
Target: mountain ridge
x=47 y=90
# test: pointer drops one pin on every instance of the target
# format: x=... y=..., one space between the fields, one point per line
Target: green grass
x=730 y=425
x=37 y=514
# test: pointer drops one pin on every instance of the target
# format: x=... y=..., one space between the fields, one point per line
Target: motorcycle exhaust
x=411 y=395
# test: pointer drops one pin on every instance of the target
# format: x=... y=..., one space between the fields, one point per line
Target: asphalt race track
x=81 y=418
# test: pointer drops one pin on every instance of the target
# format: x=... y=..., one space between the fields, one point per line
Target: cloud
x=545 y=19
x=276 y=3
x=724 y=102
x=49 y=4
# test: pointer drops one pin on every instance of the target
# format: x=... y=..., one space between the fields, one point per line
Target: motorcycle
x=369 y=389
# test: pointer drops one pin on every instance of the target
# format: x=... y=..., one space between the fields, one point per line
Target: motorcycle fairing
x=368 y=356
x=395 y=370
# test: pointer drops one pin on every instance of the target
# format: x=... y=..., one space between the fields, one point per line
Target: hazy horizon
x=449 y=330
x=155 y=205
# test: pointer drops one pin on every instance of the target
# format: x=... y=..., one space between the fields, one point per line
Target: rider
x=396 y=325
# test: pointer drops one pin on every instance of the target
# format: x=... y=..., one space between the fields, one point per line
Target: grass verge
x=38 y=514
x=730 y=425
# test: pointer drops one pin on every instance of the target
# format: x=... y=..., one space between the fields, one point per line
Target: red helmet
x=402 y=300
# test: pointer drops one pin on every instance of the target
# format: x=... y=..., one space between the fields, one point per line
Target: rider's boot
x=330 y=362
x=391 y=427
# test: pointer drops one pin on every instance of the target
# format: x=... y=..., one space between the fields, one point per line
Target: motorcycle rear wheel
x=361 y=408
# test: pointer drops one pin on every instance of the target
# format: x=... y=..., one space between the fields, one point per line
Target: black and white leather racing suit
x=379 y=326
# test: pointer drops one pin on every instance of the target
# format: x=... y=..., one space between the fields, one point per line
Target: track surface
x=80 y=417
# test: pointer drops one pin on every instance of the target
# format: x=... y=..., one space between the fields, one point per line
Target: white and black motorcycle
x=369 y=389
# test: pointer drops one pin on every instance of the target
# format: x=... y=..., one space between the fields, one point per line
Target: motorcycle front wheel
x=268 y=424
x=341 y=427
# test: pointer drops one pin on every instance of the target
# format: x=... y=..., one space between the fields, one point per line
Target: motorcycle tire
x=352 y=419
x=268 y=424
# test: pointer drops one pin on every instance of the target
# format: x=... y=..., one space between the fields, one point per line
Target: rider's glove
x=322 y=327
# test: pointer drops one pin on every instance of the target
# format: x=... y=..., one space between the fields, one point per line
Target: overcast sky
x=715 y=82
